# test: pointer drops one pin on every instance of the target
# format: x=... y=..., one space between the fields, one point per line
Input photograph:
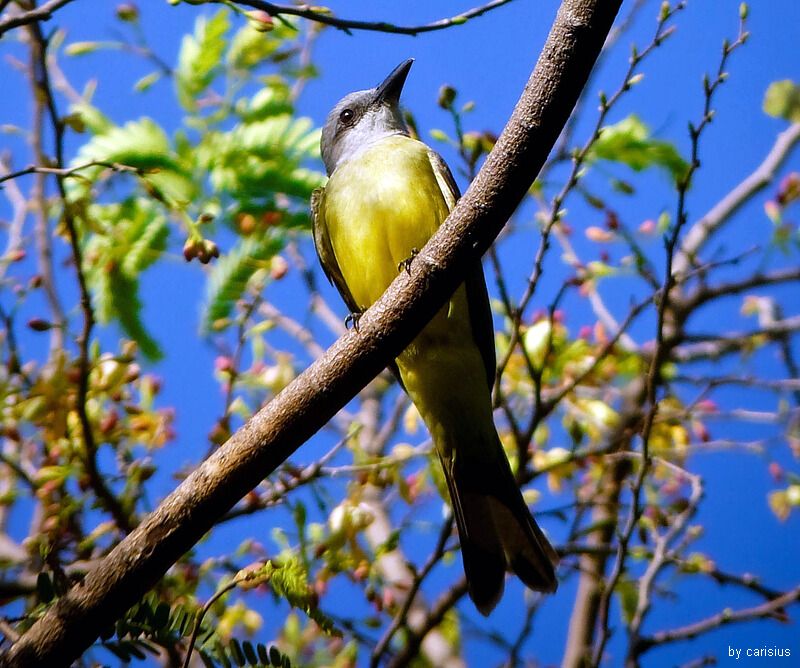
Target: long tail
x=496 y=530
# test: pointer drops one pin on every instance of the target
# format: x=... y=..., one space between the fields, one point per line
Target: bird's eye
x=346 y=116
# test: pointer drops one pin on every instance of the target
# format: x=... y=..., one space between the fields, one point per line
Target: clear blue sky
x=488 y=60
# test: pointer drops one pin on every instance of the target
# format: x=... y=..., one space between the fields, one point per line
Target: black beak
x=392 y=86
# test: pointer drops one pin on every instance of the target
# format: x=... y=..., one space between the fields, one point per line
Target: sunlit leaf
x=782 y=100
x=629 y=142
x=230 y=275
x=200 y=57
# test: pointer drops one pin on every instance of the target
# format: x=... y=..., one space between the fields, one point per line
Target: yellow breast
x=379 y=206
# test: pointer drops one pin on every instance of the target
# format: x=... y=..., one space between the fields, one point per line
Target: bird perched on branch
x=386 y=195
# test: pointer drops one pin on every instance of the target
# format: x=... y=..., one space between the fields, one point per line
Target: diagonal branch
x=702 y=231
x=713 y=346
x=707 y=293
x=293 y=416
x=43 y=13
x=727 y=616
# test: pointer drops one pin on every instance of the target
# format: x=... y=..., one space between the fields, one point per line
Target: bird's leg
x=352 y=319
x=405 y=265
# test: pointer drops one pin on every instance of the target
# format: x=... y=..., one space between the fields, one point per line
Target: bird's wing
x=480 y=313
x=327 y=258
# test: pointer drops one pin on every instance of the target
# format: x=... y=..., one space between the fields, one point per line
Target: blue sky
x=488 y=61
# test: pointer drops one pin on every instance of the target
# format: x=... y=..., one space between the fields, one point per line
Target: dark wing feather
x=480 y=313
x=327 y=258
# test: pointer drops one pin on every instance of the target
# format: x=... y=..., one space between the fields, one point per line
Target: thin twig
x=661 y=351
x=703 y=230
x=401 y=617
x=727 y=616
x=198 y=620
x=42 y=83
x=64 y=172
x=348 y=25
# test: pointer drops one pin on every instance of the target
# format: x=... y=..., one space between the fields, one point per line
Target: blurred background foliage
x=341 y=541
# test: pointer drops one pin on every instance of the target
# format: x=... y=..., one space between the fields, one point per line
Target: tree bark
x=592 y=569
x=277 y=430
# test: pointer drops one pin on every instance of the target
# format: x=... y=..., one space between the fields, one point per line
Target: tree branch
x=702 y=231
x=41 y=82
x=713 y=346
x=42 y=13
x=707 y=293
x=727 y=616
x=348 y=25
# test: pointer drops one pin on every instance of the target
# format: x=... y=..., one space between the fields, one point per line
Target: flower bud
x=127 y=11
x=260 y=21
x=447 y=95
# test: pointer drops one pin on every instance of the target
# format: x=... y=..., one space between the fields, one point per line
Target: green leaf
x=161 y=616
x=236 y=652
x=440 y=136
x=44 y=588
x=127 y=238
x=536 y=340
x=200 y=57
x=146 y=81
x=52 y=473
x=175 y=188
x=146 y=241
x=289 y=580
x=272 y=100
x=250 y=653
x=389 y=544
x=141 y=144
x=254 y=159
x=229 y=277
x=118 y=650
x=249 y=47
x=127 y=308
x=628 y=597
x=275 y=656
x=94 y=120
x=222 y=655
x=81 y=48
x=782 y=100
x=629 y=142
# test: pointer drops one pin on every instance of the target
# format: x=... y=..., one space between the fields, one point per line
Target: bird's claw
x=352 y=320
x=405 y=265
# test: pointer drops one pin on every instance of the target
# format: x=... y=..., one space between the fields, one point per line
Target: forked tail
x=496 y=530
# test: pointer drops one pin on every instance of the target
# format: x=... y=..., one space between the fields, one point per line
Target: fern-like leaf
x=230 y=276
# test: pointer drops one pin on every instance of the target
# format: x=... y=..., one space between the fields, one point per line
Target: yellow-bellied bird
x=386 y=195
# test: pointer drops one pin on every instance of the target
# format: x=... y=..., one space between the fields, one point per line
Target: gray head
x=363 y=117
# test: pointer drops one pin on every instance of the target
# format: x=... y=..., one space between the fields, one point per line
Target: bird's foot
x=352 y=321
x=405 y=265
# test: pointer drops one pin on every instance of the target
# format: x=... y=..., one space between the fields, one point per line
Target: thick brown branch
x=305 y=405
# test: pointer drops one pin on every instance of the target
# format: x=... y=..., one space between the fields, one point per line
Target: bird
x=386 y=195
